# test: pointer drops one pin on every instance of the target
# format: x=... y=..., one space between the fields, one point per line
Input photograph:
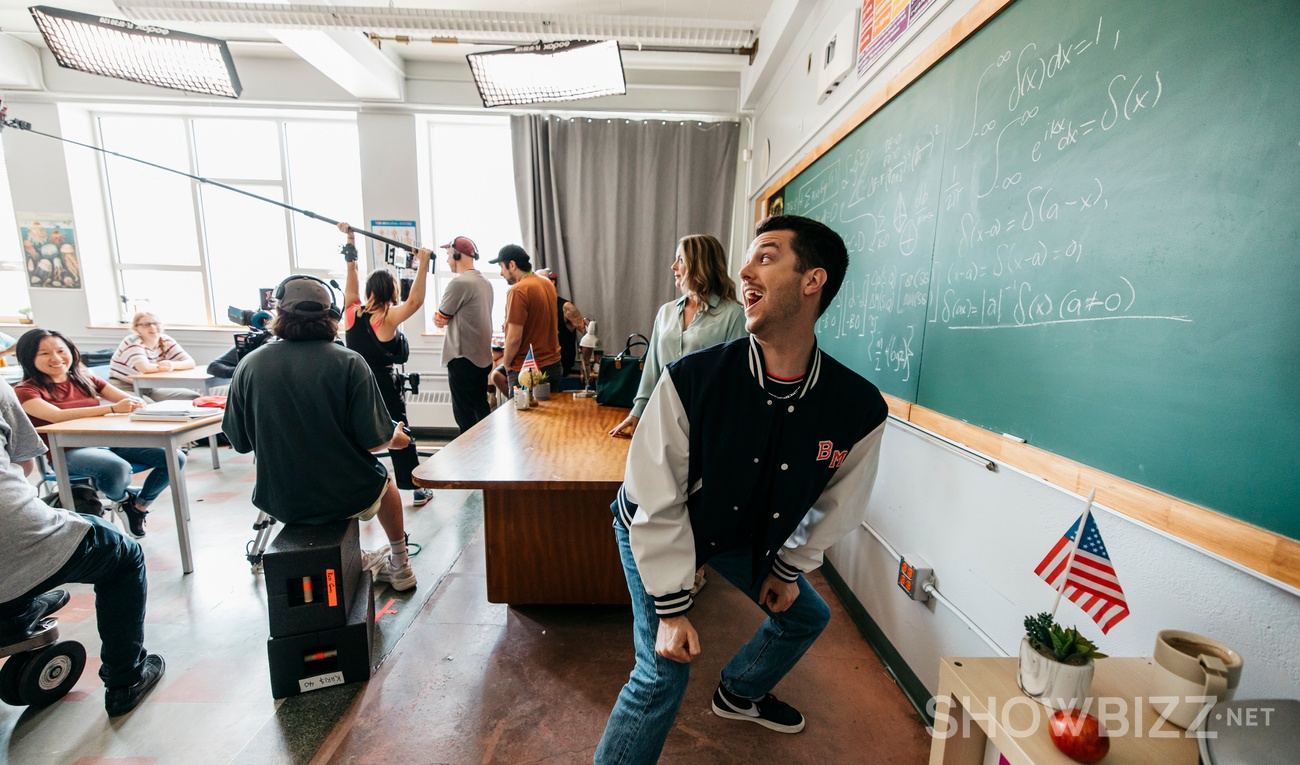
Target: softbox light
x=145 y=54
x=566 y=70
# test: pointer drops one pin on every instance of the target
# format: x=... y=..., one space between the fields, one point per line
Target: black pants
x=404 y=460
x=468 y=385
x=113 y=563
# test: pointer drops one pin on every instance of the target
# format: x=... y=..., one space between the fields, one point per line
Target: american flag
x=529 y=361
x=1091 y=582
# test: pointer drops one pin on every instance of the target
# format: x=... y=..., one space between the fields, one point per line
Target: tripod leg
x=255 y=549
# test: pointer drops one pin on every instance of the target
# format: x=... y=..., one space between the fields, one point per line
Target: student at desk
x=58 y=388
x=148 y=350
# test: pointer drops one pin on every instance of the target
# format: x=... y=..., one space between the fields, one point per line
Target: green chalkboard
x=1112 y=266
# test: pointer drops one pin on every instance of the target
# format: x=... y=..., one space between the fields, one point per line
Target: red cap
x=464 y=245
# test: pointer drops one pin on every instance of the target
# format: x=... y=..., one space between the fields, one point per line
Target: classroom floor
x=458 y=679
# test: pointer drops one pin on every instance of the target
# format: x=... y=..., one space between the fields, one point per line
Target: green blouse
x=724 y=320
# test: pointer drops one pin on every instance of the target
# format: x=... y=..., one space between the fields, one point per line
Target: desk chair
x=49 y=484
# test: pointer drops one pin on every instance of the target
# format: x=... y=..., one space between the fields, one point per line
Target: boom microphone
x=27 y=126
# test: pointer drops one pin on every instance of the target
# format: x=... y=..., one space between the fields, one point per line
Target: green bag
x=620 y=376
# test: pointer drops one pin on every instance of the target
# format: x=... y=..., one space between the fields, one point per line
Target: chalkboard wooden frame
x=1265 y=552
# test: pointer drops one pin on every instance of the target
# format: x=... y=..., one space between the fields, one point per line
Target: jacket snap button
x=776 y=515
x=784 y=466
x=791 y=409
x=769 y=402
x=756 y=460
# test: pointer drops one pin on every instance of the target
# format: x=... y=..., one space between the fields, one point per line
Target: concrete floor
x=458 y=679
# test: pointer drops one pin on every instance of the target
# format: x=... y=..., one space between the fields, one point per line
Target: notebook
x=180 y=410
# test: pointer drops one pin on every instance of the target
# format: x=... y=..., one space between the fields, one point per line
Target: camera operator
x=309 y=409
x=375 y=331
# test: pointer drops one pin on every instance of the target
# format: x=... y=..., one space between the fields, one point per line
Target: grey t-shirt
x=37 y=539
x=467 y=302
x=312 y=411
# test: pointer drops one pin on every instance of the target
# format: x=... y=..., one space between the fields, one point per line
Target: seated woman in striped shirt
x=148 y=350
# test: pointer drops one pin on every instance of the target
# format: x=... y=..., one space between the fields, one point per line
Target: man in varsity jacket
x=753 y=456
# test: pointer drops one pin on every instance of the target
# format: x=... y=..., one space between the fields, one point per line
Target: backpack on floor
x=84 y=498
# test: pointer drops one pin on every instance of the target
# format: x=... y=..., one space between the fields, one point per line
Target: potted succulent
x=1056 y=664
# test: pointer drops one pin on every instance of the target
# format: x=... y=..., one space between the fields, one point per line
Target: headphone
x=455 y=253
x=332 y=311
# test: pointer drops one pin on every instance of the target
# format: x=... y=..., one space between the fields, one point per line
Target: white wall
x=984 y=532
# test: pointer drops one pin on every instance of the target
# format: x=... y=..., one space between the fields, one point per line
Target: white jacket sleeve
x=663 y=543
x=841 y=506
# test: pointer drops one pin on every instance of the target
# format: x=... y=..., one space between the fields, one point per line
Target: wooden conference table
x=997 y=710
x=121 y=430
x=548 y=475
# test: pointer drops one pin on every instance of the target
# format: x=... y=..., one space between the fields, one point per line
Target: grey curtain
x=602 y=202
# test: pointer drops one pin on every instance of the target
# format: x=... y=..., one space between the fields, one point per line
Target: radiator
x=430 y=409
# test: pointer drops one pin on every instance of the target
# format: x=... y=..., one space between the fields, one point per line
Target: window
x=187 y=250
x=13 y=281
x=473 y=191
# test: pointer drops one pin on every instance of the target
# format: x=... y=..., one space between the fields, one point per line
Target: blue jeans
x=114 y=564
x=110 y=467
x=648 y=703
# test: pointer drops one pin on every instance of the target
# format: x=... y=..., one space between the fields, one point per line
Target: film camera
x=257 y=336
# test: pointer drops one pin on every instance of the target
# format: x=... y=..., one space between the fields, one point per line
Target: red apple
x=1079 y=735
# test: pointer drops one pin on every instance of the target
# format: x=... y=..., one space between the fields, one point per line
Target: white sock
x=397 y=552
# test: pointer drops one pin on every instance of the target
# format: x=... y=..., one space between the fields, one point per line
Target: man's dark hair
x=815 y=245
x=288 y=326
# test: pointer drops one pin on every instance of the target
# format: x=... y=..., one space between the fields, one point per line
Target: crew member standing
x=466 y=314
x=571 y=324
x=531 y=316
x=777 y=444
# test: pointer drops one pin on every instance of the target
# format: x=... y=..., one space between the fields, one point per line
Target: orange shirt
x=531 y=304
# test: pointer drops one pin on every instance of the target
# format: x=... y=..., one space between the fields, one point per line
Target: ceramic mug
x=521 y=398
x=1192 y=673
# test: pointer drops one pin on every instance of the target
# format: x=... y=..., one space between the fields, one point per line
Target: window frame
x=429 y=122
x=215 y=317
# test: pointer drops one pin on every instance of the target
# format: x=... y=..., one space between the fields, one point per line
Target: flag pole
x=1069 y=562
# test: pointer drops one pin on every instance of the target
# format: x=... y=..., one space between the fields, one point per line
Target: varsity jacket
x=715 y=446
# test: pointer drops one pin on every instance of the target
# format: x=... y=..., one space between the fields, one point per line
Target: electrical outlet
x=913 y=575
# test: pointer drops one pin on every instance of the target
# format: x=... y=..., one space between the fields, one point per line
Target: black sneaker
x=21 y=628
x=119 y=701
x=769 y=711
x=134 y=516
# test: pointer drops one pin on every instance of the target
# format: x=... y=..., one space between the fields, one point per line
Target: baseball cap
x=548 y=273
x=512 y=252
x=464 y=245
x=304 y=296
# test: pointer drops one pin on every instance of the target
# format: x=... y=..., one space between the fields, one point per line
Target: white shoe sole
x=778 y=727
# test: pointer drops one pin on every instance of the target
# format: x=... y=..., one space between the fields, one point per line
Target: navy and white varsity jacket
x=695 y=467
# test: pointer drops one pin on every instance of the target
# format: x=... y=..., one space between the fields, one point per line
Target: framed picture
x=50 y=251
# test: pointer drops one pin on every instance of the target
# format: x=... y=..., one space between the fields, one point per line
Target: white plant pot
x=1051 y=683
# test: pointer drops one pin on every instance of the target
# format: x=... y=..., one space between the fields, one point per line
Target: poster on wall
x=883 y=22
x=398 y=230
x=50 y=251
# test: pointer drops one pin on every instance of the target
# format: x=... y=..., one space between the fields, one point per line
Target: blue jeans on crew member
x=114 y=564
x=648 y=703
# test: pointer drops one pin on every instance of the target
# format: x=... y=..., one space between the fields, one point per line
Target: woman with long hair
x=706 y=314
x=57 y=388
x=148 y=350
x=374 y=329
